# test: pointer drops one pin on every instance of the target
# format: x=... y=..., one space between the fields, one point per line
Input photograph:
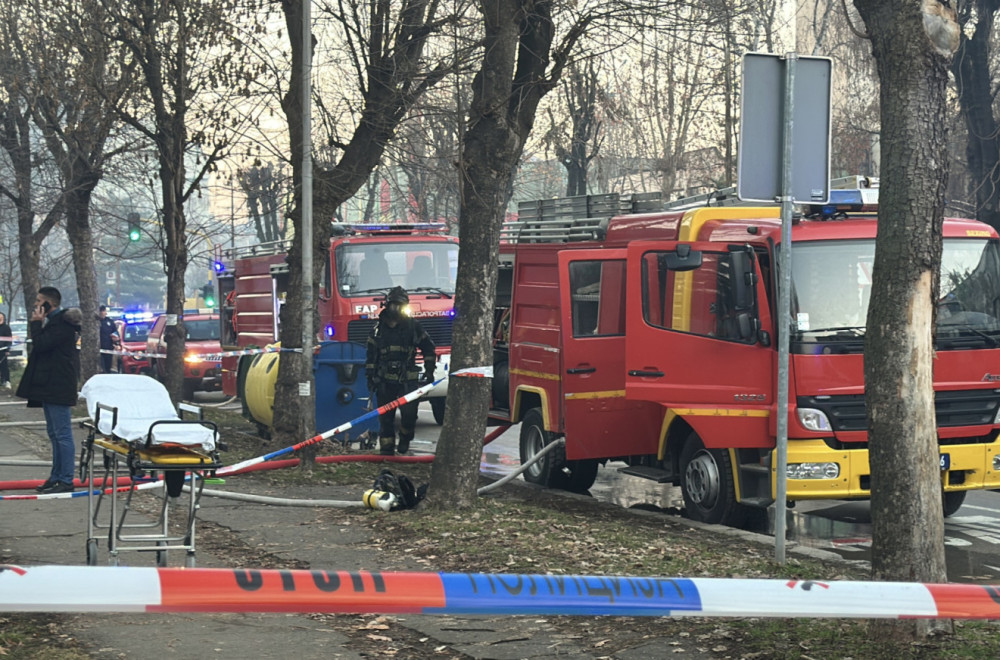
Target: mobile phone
x=46 y=307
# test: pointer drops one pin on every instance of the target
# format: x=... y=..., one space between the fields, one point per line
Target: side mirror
x=743 y=280
x=682 y=259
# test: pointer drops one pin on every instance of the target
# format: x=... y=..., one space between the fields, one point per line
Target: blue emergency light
x=847 y=201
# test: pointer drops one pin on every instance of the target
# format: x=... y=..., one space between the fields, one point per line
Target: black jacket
x=53 y=371
x=391 y=351
x=108 y=328
x=5 y=331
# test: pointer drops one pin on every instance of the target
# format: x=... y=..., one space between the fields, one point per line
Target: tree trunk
x=505 y=100
x=906 y=501
x=294 y=419
x=81 y=240
x=394 y=80
x=171 y=153
x=971 y=67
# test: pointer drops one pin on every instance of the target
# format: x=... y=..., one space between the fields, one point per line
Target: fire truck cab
x=363 y=262
x=650 y=337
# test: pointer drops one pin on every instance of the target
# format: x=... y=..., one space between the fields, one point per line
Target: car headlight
x=192 y=357
x=814 y=420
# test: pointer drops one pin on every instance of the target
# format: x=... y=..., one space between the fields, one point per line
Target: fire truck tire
x=707 y=484
x=953 y=501
x=534 y=437
x=437 y=407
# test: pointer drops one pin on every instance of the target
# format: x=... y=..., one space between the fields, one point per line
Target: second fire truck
x=362 y=263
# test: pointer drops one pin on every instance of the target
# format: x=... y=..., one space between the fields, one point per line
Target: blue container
x=341 y=388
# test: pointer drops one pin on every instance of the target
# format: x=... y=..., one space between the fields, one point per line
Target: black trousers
x=4 y=367
x=387 y=392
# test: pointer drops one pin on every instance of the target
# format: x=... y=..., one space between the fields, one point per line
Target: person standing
x=109 y=337
x=391 y=368
x=6 y=341
x=51 y=379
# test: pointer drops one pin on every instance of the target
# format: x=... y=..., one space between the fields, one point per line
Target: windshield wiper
x=851 y=330
x=994 y=342
x=432 y=289
x=361 y=292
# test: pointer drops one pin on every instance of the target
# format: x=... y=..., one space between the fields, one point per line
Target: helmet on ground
x=397 y=295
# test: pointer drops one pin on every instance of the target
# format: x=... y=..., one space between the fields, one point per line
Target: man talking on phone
x=50 y=380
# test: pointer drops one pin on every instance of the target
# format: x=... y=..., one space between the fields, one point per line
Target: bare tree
x=182 y=50
x=387 y=42
x=263 y=193
x=17 y=139
x=70 y=62
x=976 y=87
x=520 y=64
x=582 y=96
x=913 y=44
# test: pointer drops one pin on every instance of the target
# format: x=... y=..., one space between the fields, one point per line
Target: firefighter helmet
x=397 y=295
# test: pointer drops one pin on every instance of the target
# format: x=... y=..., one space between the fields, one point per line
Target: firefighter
x=392 y=370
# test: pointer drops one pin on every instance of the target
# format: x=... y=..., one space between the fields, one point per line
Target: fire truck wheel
x=534 y=437
x=953 y=501
x=437 y=407
x=707 y=484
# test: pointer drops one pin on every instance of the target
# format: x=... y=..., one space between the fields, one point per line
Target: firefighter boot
x=404 y=442
x=387 y=446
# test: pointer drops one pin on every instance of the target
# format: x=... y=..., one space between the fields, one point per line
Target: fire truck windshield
x=367 y=268
x=832 y=280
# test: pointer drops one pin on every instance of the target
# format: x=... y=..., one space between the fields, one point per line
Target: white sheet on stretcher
x=140 y=401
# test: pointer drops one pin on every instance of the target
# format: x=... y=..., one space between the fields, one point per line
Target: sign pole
x=785 y=315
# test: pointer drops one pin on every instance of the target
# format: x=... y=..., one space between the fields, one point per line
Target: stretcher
x=135 y=428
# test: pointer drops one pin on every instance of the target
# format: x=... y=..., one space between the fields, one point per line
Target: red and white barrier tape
x=134 y=589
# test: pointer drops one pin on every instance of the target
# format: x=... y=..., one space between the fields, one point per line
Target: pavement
x=46 y=532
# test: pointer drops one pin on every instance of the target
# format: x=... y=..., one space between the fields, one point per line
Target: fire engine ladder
x=579 y=218
x=262 y=249
x=727 y=196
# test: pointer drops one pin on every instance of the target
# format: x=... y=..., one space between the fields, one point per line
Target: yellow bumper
x=971 y=468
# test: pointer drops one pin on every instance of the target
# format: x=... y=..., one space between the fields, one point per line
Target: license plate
x=945 y=461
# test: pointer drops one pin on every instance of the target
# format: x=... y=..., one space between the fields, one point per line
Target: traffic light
x=134 y=230
x=208 y=294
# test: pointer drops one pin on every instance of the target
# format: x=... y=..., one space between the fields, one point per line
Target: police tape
x=346 y=426
x=207 y=357
x=139 y=589
x=81 y=493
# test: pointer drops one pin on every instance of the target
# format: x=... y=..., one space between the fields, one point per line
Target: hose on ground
x=534 y=459
x=277 y=501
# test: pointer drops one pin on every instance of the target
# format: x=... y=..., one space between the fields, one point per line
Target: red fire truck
x=362 y=264
x=649 y=337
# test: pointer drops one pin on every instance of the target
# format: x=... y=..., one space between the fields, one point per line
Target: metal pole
x=784 y=315
x=308 y=302
x=232 y=213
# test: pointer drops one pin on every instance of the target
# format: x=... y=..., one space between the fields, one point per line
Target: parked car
x=19 y=330
x=201 y=338
x=134 y=334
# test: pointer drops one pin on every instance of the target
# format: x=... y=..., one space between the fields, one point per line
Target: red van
x=202 y=338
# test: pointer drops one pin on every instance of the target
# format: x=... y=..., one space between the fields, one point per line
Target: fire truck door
x=694 y=337
x=595 y=411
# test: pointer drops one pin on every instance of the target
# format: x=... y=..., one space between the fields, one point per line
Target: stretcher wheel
x=161 y=555
x=91 y=552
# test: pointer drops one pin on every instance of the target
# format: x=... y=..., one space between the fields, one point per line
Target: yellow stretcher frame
x=175 y=462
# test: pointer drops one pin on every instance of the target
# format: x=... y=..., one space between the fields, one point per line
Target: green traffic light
x=209 y=301
x=134 y=234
